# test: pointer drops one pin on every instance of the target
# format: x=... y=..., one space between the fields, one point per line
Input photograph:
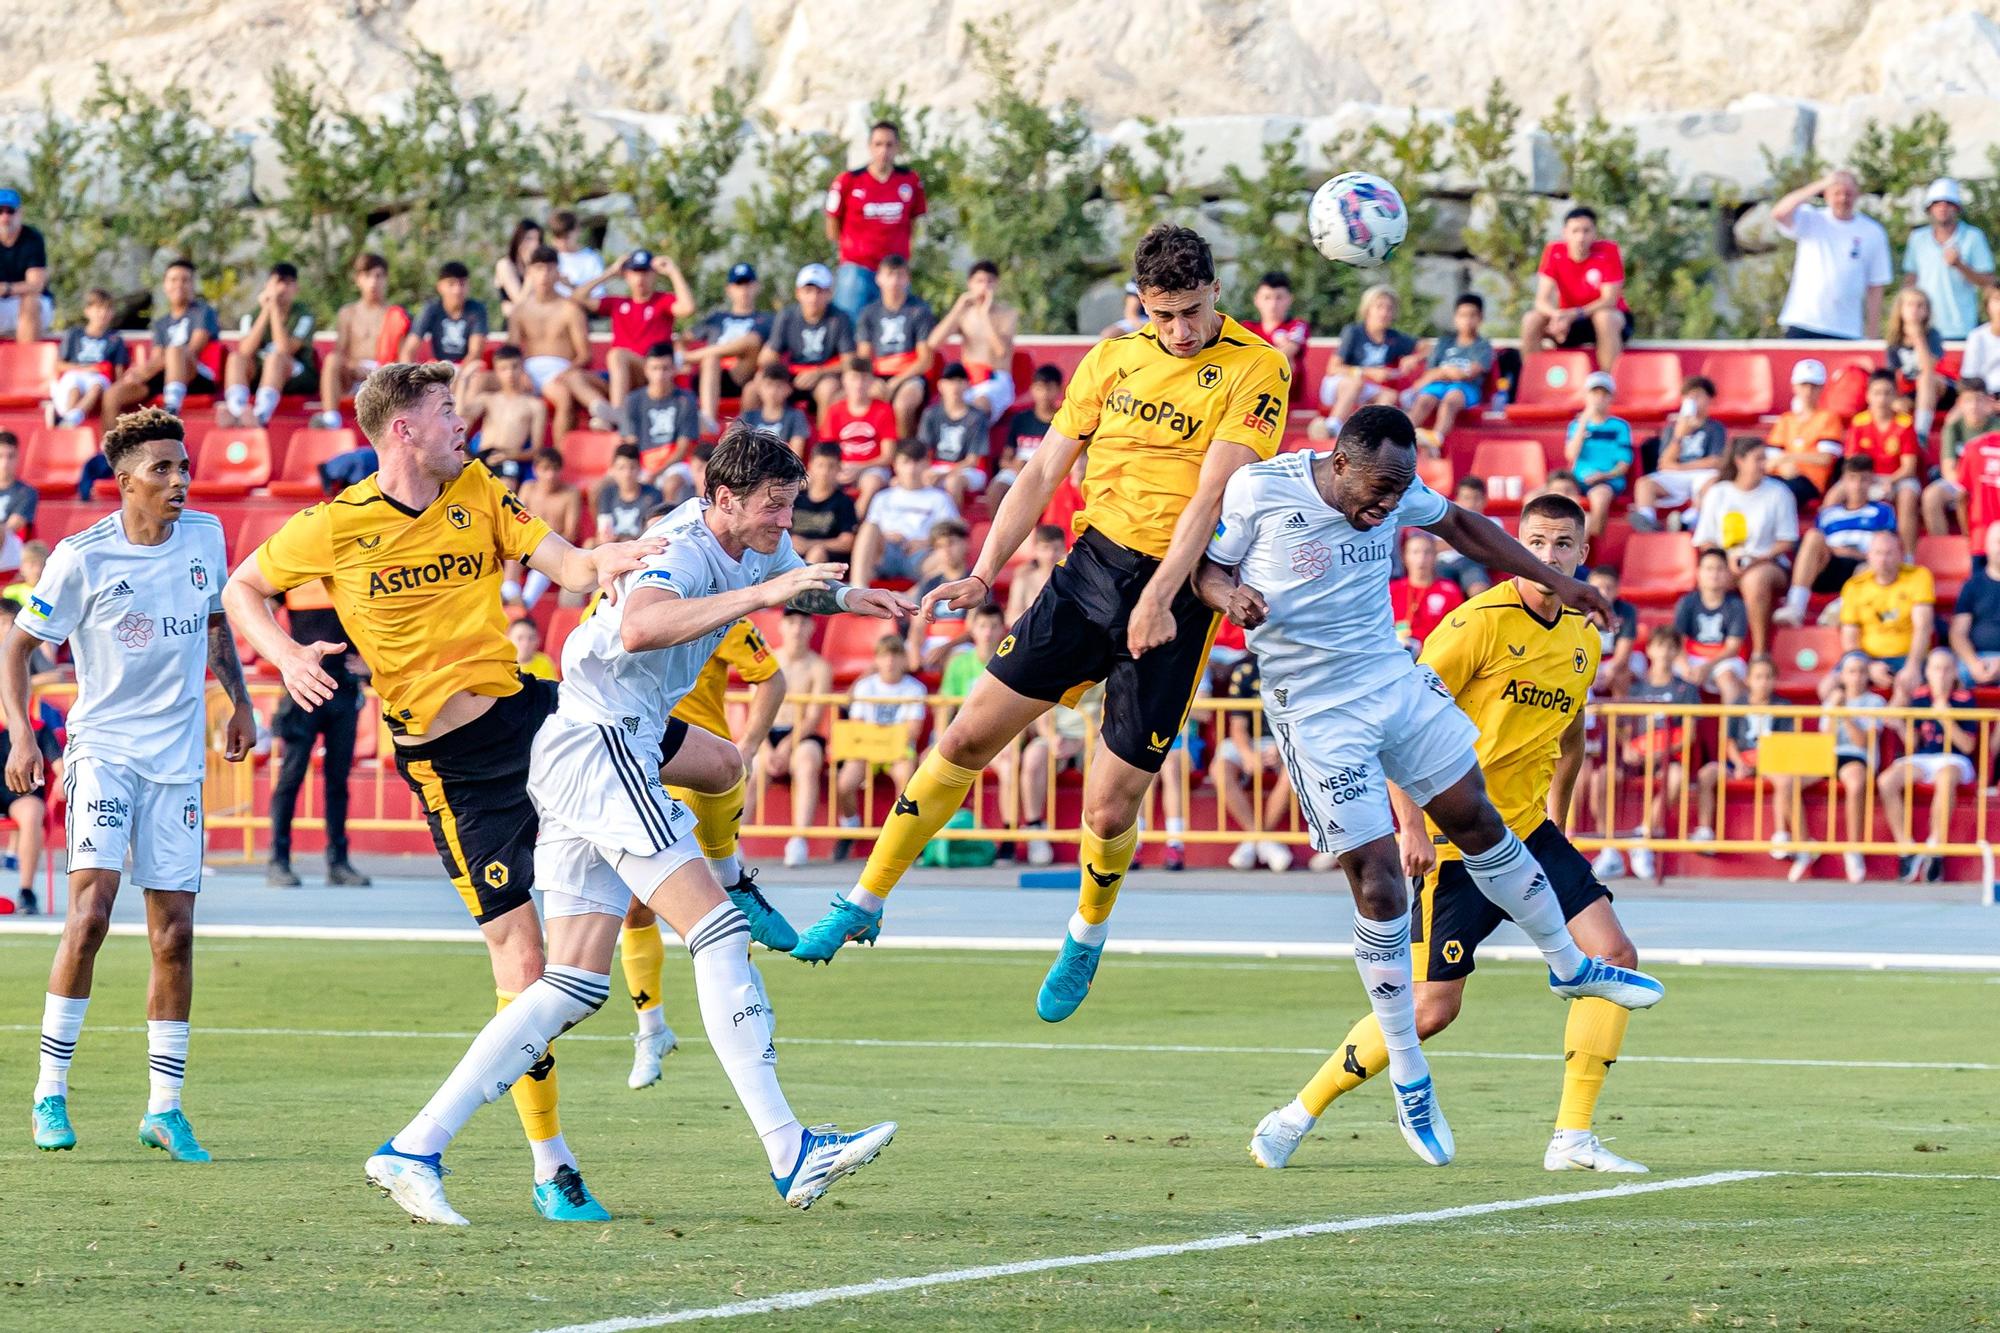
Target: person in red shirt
x=871 y=213
x=1420 y=599
x=640 y=320
x=1580 y=293
x=1275 y=325
x=865 y=428
x=1979 y=474
x=1890 y=438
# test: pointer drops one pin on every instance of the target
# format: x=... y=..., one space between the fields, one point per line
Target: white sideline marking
x=1870 y=960
x=1128 y=1048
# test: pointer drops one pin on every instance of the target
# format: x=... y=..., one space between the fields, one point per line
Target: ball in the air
x=1357 y=218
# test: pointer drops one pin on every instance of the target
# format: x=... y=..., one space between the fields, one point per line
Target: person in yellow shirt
x=1889 y=612
x=526 y=636
x=1806 y=439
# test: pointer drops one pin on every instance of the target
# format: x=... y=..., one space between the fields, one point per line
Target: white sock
x=1382 y=957
x=533 y=587
x=72 y=418
x=237 y=398
x=1797 y=597
x=1176 y=824
x=1083 y=932
x=1513 y=882
x=173 y=396
x=739 y=1029
x=267 y=406
x=510 y=591
x=62 y=1022
x=513 y=1041
x=652 y=1022
x=551 y=1156
x=330 y=418
x=1298 y=1115
x=866 y=901
x=1646 y=512
x=166 y=1059
x=728 y=869
x=850 y=821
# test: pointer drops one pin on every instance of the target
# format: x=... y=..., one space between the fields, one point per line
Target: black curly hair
x=1172 y=258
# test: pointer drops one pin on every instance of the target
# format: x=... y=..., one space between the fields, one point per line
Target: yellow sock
x=935 y=792
x=1591 y=1038
x=1104 y=862
x=643 y=955
x=1359 y=1058
x=535 y=1094
x=717 y=817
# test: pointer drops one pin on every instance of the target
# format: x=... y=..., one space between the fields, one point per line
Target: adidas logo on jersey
x=1297 y=521
x=86 y=846
x=120 y=589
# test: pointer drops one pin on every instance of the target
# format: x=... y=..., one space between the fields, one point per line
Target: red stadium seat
x=1659 y=567
x=54 y=460
x=1744 y=386
x=256 y=529
x=587 y=455
x=1436 y=473
x=1649 y=386
x=230 y=461
x=1551 y=386
x=849 y=645
x=1949 y=559
x=565 y=620
x=57 y=519
x=1511 y=469
x=298 y=479
x=26 y=370
x=1804 y=654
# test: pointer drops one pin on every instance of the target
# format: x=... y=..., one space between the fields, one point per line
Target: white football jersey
x=136 y=618
x=603 y=683
x=1331 y=635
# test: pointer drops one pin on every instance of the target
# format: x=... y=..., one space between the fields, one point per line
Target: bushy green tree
x=673 y=189
x=1413 y=158
x=1147 y=185
x=1508 y=225
x=937 y=155
x=781 y=221
x=1268 y=216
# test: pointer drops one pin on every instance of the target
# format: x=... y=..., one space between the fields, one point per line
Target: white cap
x=1600 y=379
x=1808 y=371
x=815 y=275
x=1944 y=190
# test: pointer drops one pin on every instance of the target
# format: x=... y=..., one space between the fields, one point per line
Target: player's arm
x=248 y=600
x=1152 y=620
x=1569 y=763
x=24 y=755
x=1019 y=512
x=657 y=616
x=767 y=696
x=1413 y=840
x=1485 y=542
x=227 y=668
x=578 y=570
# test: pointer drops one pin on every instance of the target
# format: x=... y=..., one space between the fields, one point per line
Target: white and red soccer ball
x=1357 y=218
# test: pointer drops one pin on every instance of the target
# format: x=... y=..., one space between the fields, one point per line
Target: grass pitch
x=1019 y=1142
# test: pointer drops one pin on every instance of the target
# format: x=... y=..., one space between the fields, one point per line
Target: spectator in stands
x=793 y=746
x=1652 y=746
x=1971 y=416
x=332 y=726
x=1713 y=624
x=894 y=334
x=182 y=335
x=894 y=540
x=554 y=338
x=1975 y=619
x=1026 y=428
x=1888 y=611
x=275 y=351
x=1914 y=350
x=812 y=338
x=1247 y=759
x=732 y=336
x=1599 y=449
x=1836 y=546
x=34 y=558
x=1979 y=475
x=451 y=327
x=772 y=389
x=623 y=501
x=1132 y=320
x=641 y=319
x=357 y=339
x=1454 y=377
x=18 y=502
x=956 y=431
x=1981 y=360
x=1046 y=547
x=510 y=275
x=824 y=520
x=1755 y=520
x=1420 y=599
x=91 y=354
x=511 y=421
x=1580 y=293
x=550 y=497
x=950 y=559
x=865 y=428
x=577 y=265
x=663 y=421
x=1738 y=761
x=984 y=628
x=890 y=697
x=529 y=659
x=871 y=212
x=1855 y=751
x=1937 y=749
x=29 y=810
x=26 y=304
x=1691 y=445
x=1275 y=325
x=985 y=326
x=1561 y=482
x=1842 y=266
x=1371 y=361
x=1054 y=746
x=1805 y=440
x=1888 y=439
x=1471 y=577
x=1619 y=639
x=1949 y=260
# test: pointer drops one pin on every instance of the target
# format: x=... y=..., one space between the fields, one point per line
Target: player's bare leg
x=91 y=893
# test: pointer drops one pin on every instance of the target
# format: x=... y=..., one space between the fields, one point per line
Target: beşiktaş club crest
x=198 y=575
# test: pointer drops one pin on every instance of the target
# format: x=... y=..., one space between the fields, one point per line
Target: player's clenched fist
x=1247 y=608
x=24 y=765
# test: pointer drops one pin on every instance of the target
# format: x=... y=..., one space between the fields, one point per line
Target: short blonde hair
x=1381 y=291
x=394 y=389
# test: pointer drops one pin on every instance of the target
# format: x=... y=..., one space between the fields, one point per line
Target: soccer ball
x=1357 y=219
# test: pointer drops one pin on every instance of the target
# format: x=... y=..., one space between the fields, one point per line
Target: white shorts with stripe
x=608 y=828
x=110 y=810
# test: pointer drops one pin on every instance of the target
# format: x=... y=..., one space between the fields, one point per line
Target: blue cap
x=639 y=259
x=742 y=273
x=10 y=199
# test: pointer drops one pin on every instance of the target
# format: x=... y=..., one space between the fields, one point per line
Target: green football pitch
x=1825 y=1150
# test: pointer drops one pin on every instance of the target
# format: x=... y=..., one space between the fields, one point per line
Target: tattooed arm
x=223 y=663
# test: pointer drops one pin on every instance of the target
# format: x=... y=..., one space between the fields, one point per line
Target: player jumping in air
x=136 y=594
x=1171 y=412
x=1301 y=561
x=609 y=831
x=412 y=558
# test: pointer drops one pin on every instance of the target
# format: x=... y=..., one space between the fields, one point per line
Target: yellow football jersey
x=418 y=591
x=1150 y=417
x=1522 y=680
x=743 y=648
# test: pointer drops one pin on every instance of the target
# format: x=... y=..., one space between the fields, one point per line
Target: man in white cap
x=1949 y=259
x=811 y=338
x=1805 y=441
x=1842 y=266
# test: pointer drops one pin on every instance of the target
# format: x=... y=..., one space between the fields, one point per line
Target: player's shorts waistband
x=1121 y=558
x=522 y=711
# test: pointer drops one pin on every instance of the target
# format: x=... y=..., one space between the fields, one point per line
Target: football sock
x=1591 y=1038
x=739 y=1028
x=936 y=790
x=717 y=816
x=237 y=398
x=1513 y=881
x=173 y=395
x=535 y=1095
x=1362 y=1056
x=166 y=1061
x=266 y=406
x=512 y=1043
x=643 y=956
x=62 y=1022
x=551 y=1155
x=652 y=1022
x=1104 y=862
x=1382 y=956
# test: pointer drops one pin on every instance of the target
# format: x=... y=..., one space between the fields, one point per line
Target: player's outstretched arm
x=659 y=617
x=599 y=568
x=246 y=600
x=227 y=668
x=24 y=755
x=1485 y=542
x=1019 y=512
x=1152 y=620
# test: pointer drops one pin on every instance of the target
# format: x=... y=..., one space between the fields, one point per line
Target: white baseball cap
x=1944 y=190
x=1808 y=371
x=815 y=275
x=1600 y=379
